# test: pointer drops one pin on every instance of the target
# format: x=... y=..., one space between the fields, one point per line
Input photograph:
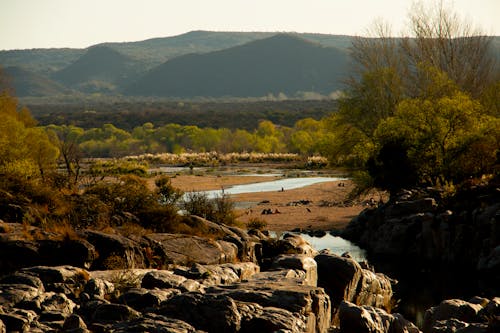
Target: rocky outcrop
x=367 y=319
x=455 y=315
x=96 y=250
x=181 y=283
x=345 y=280
x=422 y=228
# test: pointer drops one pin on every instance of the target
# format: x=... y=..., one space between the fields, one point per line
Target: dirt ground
x=318 y=207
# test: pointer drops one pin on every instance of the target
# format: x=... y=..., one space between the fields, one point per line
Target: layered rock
x=345 y=280
x=367 y=319
x=420 y=227
x=456 y=315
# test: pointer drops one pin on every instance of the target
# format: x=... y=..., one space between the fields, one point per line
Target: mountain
x=28 y=83
x=283 y=63
x=100 y=69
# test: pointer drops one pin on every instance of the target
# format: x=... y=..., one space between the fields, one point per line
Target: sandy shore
x=319 y=206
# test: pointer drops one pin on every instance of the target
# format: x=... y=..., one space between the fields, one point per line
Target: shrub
x=220 y=209
x=256 y=223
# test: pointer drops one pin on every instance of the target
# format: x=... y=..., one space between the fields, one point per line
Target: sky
x=26 y=24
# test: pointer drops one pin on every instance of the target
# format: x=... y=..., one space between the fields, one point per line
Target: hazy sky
x=81 y=23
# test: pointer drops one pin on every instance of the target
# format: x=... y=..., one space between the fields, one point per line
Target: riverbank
x=321 y=206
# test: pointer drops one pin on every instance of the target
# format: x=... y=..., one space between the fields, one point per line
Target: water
x=272 y=186
x=336 y=244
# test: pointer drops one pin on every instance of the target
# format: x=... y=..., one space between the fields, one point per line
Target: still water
x=336 y=244
x=271 y=186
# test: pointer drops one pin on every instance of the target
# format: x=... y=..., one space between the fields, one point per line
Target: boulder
x=166 y=279
x=13 y=294
x=74 y=323
x=115 y=251
x=99 y=288
x=298 y=261
x=367 y=319
x=410 y=207
x=17 y=253
x=452 y=309
x=242 y=306
x=141 y=298
x=256 y=318
x=185 y=249
x=111 y=312
x=345 y=280
x=64 y=279
x=151 y=322
x=209 y=275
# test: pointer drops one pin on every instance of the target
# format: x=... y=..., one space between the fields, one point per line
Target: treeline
x=128 y=114
x=306 y=137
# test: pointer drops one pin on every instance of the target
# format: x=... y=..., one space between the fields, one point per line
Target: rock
x=361 y=319
x=72 y=252
x=165 y=279
x=345 y=280
x=256 y=318
x=3 y=328
x=219 y=274
x=57 y=302
x=74 y=323
x=452 y=309
x=99 y=288
x=21 y=278
x=17 y=253
x=186 y=250
x=455 y=325
x=14 y=322
x=207 y=312
x=298 y=261
x=12 y=294
x=115 y=251
x=65 y=279
x=288 y=276
x=141 y=299
x=229 y=308
x=400 y=208
x=153 y=323
x=114 y=312
x=289 y=244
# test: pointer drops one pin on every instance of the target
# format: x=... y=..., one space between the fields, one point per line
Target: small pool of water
x=336 y=244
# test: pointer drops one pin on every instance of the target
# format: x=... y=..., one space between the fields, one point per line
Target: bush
x=220 y=209
x=256 y=223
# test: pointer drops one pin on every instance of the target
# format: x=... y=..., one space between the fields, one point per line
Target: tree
x=428 y=97
x=438 y=132
x=441 y=39
x=67 y=139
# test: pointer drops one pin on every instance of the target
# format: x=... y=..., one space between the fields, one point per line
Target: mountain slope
x=101 y=68
x=28 y=83
x=282 y=63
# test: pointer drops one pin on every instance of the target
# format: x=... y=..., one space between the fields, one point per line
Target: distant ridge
x=112 y=68
x=28 y=83
x=283 y=63
x=100 y=68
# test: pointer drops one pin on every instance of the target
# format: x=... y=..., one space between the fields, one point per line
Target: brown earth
x=321 y=206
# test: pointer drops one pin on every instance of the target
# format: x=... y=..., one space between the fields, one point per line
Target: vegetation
x=421 y=110
x=306 y=137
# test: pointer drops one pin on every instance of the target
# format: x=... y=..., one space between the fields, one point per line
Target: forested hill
x=109 y=68
x=100 y=69
x=279 y=64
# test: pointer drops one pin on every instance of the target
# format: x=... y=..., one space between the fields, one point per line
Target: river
x=271 y=186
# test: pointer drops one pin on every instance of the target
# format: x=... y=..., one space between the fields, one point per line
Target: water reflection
x=336 y=244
